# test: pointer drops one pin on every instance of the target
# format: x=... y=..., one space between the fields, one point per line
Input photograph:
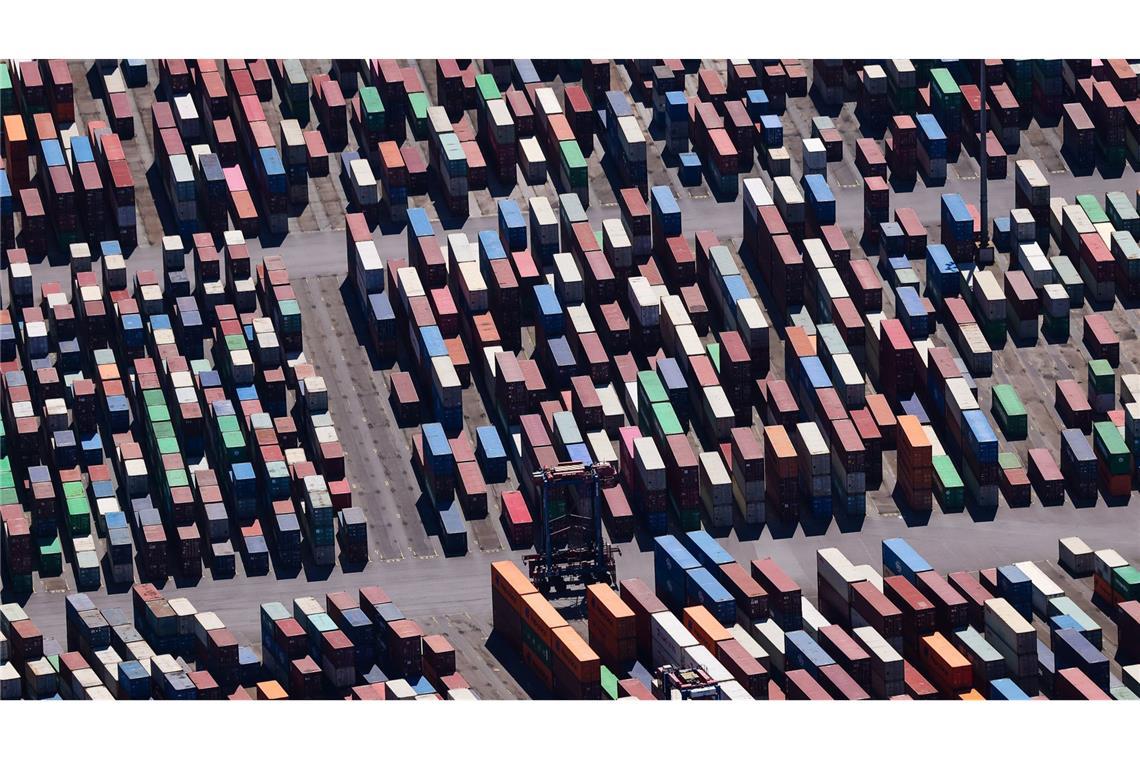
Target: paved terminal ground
x=451 y=595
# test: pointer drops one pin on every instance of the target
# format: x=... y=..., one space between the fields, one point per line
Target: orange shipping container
x=971 y=696
x=946 y=665
x=540 y=616
x=270 y=690
x=508 y=580
x=572 y=651
x=707 y=630
x=612 y=624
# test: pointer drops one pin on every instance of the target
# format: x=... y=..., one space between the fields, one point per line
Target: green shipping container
x=418 y=104
x=372 y=108
x=1126 y=582
x=665 y=420
x=153 y=397
x=78 y=516
x=235 y=343
x=573 y=163
x=488 y=90
x=948 y=486
x=1009 y=412
x=73 y=489
x=1092 y=209
x=1102 y=378
x=168 y=446
x=157 y=414
x=50 y=551
x=1068 y=276
x=649 y=385
x=713 y=350
x=177 y=478
x=1008 y=460
x=1111 y=448
x=6 y=100
x=609 y=683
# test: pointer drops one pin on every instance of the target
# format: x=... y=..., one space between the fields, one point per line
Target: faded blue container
x=666 y=214
x=757 y=103
x=579 y=452
x=801 y=652
x=52 y=153
x=671 y=561
x=704 y=589
x=419 y=225
x=1015 y=587
x=1005 y=690
x=941 y=271
x=549 y=315
x=438 y=457
x=771 y=130
x=819 y=198
x=706 y=550
x=899 y=558
x=689 y=169
x=930 y=135
x=81 y=150
x=491 y=454
x=512 y=225
x=957 y=223
x=452 y=529
x=1072 y=650
x=979 y=438
x=911 y=312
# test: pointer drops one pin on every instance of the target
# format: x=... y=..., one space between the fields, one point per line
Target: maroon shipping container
x=847 y=652
x=801 y=686
x=618 y=514
x=784 y=594
x=751 y=599
x=644 y=603
x=917 y=686
x=840 y=685
x=952 y=612
x=878 y=611
x=975 y=595
x=1101 y=340
x=743 y=667
x=1073 y=684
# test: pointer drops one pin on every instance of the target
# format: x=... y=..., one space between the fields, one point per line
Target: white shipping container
x=812 y=448
x=445 y=381
x=670 y=639
x=836 y=571
x=579 y=320
x=601 y=449
x=364 y=185
x=612 y=415
x=716 y=488
x=756 y=195
x=649 y=464
x=473 y=287
x=643 y=301
x=697 y=656
x=1022 y=226
x=870 y=574
x=438 y=121
x=547 y=101
x=568 y=281
x=533 y=161
x=732 y=690
x=369 y=269
x=718 y=412
x=1005 y=624
x=789 y=200
x=1044 y=588
x=746 y=640
x=616 y=244
x=1105 y=561
x=770 y=637
x=459 y=250
x=886 y=662
x=813 y=618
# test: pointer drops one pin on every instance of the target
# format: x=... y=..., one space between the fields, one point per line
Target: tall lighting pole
x=983 y=156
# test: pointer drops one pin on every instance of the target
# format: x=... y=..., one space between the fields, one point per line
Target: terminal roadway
x=309 y=254
x=460 y=586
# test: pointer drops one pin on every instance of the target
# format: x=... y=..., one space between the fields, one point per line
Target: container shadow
x=745 y=531
x=314 y=572
x=1023 y=342
x=356 y=318
x=8 y=596
x=850 y=523
x=186 y=581
x=448 y=219
x=781 y=528
x=512 y=662
x=979 y=512
x=1113 y=502
x=815 y=526
x=824 y=109
x=161 y=202
x=271 y=239
x=914 y=518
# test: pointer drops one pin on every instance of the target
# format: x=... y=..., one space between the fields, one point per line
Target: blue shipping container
x=706 y=549
x=671 y=561
x=703 y=589
x=899 y=558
